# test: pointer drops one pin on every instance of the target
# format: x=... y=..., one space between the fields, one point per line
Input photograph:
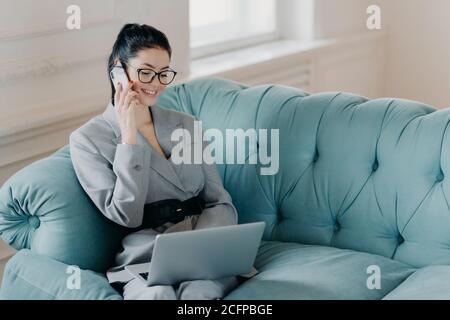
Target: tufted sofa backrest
x=368 y=175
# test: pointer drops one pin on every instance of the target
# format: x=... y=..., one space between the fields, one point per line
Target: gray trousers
x=187 y=290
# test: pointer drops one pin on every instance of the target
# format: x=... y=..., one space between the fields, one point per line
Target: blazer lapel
x=164 y=123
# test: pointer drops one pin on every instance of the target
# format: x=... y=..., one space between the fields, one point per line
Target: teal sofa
x=359 y=209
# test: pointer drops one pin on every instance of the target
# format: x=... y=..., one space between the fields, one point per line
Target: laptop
x=205 y=254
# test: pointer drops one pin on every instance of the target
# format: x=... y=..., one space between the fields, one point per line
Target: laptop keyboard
x=144 y=275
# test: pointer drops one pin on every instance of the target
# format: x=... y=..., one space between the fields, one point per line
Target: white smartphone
x=118 y=74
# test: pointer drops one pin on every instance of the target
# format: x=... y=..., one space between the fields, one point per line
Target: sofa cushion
x=32 y=276
x=428 y=283
x=295 y=271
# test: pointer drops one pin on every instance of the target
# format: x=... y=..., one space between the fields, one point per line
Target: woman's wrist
x=129 y=140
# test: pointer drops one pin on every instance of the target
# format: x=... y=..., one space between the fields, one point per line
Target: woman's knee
x=206 y=289
x=136 y=290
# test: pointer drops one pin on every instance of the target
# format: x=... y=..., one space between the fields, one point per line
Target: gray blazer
x=121 y=178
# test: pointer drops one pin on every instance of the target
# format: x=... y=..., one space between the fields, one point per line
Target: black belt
x=171 y=210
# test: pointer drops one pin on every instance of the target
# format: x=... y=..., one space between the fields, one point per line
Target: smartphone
x=118 y=74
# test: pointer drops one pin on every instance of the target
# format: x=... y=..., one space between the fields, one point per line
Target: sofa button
x=400 y=239
x=375 y=166
x=316 y=156
x=34 y=222
x=138 y=167
x=440 y=177
x=337 y=226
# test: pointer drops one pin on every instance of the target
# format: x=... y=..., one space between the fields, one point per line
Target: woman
x=122 y=159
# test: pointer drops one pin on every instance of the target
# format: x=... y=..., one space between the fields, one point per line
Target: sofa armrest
x=44 y=208
x=29 y=276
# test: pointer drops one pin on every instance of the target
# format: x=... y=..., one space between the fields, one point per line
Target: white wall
x=342 y=17
x=418 y=50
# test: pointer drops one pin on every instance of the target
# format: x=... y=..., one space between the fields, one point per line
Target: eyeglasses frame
x=138 y=70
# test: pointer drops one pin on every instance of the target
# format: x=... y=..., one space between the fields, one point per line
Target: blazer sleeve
x=219 y=209
x=118 y=190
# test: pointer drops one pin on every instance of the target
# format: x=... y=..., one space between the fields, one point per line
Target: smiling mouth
x=151 y=93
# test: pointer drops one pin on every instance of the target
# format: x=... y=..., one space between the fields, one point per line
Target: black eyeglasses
x=165 y=77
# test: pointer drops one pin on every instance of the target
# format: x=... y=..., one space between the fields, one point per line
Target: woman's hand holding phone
x=126 y=106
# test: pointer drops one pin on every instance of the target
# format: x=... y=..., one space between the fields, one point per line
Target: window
x=222 y=25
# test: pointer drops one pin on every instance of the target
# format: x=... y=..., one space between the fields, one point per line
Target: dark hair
x=132 y=38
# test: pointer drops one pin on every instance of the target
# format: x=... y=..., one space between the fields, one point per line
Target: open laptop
x=206 y=254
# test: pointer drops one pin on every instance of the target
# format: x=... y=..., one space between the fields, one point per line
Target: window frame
x=240 y=43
